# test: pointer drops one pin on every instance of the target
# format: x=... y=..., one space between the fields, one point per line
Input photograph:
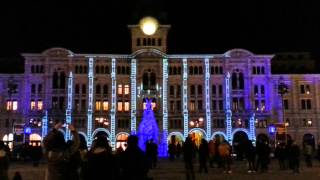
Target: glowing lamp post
x=196 y=123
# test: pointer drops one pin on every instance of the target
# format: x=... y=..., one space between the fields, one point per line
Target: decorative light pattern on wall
x=185 y=98
x=44 y=125
x=163 y=148
x=90 y=99
x=69 y=105
x=227 y=107
x=133 y=78
x=113 y=102
x=252 y=129
x=207 y=88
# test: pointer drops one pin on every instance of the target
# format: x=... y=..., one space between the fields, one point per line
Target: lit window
x=119 y=106
x=33 y=105
x=105 y=105
x=9 y=105
x=14 y=105
x=40 y=105
x=126 y=106
x=126 y=89
x=153 y=105
x=98 y=105
x=120 y=89
x=192 y=106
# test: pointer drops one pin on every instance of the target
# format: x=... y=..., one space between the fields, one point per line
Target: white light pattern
x=133 y=96
x=165 y=97
x=252 y=130
x=185 y=98
x=207 y=87
x=113 y=102
x=90 y=99
x=69 y=105
x=228 y=108
x=44 y=125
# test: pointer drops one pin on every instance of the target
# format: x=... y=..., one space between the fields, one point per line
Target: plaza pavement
x=167 y=170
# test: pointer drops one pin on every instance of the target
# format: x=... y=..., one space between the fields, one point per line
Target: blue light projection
x=148 y=128
x=90 y=99
x=69 y=105
x=252 y=130
x=44 y=125
x=185 y=98
x=133 y=78
x=207 y=88
x=228 y=107
x=164 y=145
x=113 y=102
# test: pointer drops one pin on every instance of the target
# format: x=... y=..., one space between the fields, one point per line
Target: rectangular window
x=214 y=91
x=14 y=105
x=98 y=105
x=126 y=106
x=263 y=105
x=286 y=104
x=54 y=102
x=83 y=105
x=32 y=105
x=126 y=89
x=192 y=106
x=303 y=104
x=255 y=90
x=9 y=105
x=302 y=90
x=120 y=106
x=171 y=90
x=308 y=104
x=221 y=105
x=39 y=88
x=120 y=89
x=220 y=90
x=105 y=105
x=200 y=105
x=40 y=105
x=172 y=106
x=262 y=89
x=33 y=88
x=214 y=105
x=256 y=105
x=178 y=90
x=235 y=105
x=178 y=106
x=76 y=105
x=307 y=89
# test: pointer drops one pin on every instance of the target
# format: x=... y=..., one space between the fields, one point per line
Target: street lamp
x=102 y=122
x=196 y=123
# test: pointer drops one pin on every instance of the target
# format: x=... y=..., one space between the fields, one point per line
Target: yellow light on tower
x=148 y=25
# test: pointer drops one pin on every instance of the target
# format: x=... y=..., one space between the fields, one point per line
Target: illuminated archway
x=121 y=140
x=84 y=135
x=95 y=132
x=35 y=140
x=178 y=137
x=197 y=134
x=240 y=129
x=219 y=133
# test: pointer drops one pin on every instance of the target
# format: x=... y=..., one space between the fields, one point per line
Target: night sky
x=199 y=26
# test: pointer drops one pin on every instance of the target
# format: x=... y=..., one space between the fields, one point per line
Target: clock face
x=148 y=25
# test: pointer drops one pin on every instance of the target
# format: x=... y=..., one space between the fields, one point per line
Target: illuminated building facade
x=204 y=94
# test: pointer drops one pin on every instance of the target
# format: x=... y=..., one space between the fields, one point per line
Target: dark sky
x=198 y=26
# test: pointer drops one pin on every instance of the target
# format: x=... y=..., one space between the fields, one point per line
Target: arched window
x=98 y=89
x=144 y=41
x=97 y=69
x=55 y=80
x=77 y=89
x=153 y=42
x=138 y=42
x=174 y=70
x=62 y=80
x=76 y=69
x=84 y=89
x=199 y=90
x=237 y=80
x=105 y=89
x=191 y=70
x=196 y=70
x=153 y=80
x=106 y=70
x=192 y=90
x=200 y=70
x=145 y=79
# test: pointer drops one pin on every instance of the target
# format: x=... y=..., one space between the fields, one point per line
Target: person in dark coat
x=101 y=162
x=294 y=157
x=203 y=156
x=83 y=151
x=188 y=157
x=4 y=162
x=154 y=154
x=263 y=152
x=251 y=156
x=36 y=155
x=58 y=152
x=172 y=151
x=281 y=155
x=179 y=149
x=133 y=161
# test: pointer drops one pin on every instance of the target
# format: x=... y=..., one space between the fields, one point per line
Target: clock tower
x=149 y=34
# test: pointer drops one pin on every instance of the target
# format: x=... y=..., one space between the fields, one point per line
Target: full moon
x=148 y=25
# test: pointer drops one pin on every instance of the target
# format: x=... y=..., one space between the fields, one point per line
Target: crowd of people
x=72 y=160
